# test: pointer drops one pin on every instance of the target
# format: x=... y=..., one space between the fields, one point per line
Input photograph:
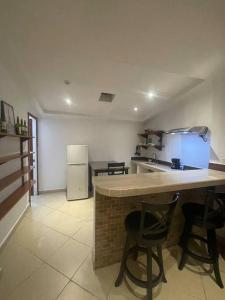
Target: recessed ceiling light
x=66 y=81
x=151 y=95
x=135 y=108
x=68 y=101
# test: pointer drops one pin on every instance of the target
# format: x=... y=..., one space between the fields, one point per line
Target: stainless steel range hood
x=199 y=130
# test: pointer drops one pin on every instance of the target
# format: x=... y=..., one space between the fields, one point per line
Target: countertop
x=158 y=182
x=217 y=162
x=154 y=166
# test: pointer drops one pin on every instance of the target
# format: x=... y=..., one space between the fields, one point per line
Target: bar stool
x=146 y=229
x=208 y=216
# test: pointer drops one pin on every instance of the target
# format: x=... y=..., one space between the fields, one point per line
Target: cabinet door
x=77 y=154
x=77 y=182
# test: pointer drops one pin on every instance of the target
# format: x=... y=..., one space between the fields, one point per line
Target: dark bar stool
x=208 y=216
x=116 y=168
x=146 y=229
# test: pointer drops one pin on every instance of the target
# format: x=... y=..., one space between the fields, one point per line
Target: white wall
x=218 y=116
x=107 y=140
x=204 y=105
x=11 y=93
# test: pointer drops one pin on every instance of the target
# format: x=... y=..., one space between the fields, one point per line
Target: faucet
x=154 y=156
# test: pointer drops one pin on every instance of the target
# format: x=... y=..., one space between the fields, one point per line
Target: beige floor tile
x=72 y=291
x=47 y=244
x=38 y=212
x=17 y=264
x=82 y=209
x=44 y=284
x=69 y=257
x=212 y=290
x=27 y=231
x=97 y=282
x=63 y=223
x=51 y=200
x=29 y=228
x=38 y=238
x=85 y=234
x=50 y=196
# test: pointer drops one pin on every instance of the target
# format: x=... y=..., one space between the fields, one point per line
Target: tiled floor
x=49 y=257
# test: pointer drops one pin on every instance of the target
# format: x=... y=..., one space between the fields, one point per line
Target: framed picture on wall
x=7 y=112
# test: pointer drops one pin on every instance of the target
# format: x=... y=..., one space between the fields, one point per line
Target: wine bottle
x=21 y=126
x=3 y=119
x=25 y=128
x=17 y=126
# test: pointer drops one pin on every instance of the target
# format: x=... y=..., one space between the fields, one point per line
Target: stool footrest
x=155 y=278
x=204 y=259
x=198 y=237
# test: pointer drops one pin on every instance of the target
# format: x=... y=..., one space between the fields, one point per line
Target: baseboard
x=51 y=191
x=14 y=226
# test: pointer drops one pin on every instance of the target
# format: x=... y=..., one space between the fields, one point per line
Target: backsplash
x=191 y=150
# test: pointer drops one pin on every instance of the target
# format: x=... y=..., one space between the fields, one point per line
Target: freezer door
x=77 y=182
x=77 y=154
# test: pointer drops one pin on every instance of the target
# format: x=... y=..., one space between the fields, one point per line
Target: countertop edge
x=159 y=189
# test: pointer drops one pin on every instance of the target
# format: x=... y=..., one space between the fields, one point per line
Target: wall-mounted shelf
x=24 y=170
x=147 y=134
x=22 y=137
x=5 y=159
x=6 y=181
x=146 y=146
x=12 y=199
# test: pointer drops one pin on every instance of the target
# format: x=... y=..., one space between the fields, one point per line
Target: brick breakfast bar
x=116 y=196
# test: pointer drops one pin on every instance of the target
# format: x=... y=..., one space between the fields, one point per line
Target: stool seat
x=194 y=214
x=133 y=223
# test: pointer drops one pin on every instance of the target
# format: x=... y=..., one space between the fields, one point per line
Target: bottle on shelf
x=21 y=126
x=17 y=126
x=3 y=119
x=25 y=128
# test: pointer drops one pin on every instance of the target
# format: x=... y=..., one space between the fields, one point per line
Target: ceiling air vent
x=106 y=97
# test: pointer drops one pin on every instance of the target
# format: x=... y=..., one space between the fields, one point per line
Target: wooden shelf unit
x=6 y=181
x=13 y=198
x=5 y=159
x=149 y=132
x=22 y=137
x=25 y=186
x=146 y=146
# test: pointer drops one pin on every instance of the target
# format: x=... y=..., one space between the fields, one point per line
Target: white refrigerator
x=77 y=172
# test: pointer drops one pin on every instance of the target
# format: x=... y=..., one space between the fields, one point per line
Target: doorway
x=33 y=147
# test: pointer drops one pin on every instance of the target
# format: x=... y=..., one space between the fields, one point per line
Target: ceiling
x=126 y=47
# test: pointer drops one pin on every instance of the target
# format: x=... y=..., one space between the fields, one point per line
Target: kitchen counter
x=155 y=167
x=117 y=196
x=158 y=182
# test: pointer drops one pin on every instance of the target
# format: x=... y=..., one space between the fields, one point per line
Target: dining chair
x=116 y=168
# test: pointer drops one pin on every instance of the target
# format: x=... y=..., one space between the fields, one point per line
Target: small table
x=98 y=167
